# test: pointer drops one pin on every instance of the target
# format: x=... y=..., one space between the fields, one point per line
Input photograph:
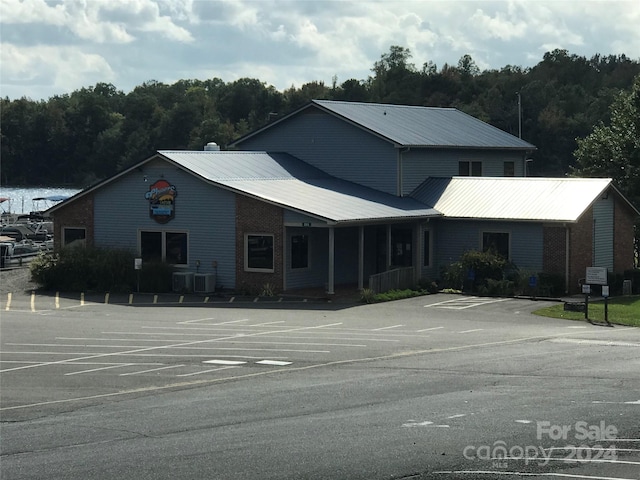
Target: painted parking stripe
x=206 y=371
x=151 y=370
x=387 y=328
x=429 y=329
x=99 y=369
x=472 y=330
x=225 y=362
x=464 y=303
x=276 y=363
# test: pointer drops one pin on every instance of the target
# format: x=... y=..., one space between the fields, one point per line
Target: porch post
x=388 y=248
x=360 y=257
x=332 y=256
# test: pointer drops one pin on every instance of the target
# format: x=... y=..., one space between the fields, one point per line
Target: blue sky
x=54 y=47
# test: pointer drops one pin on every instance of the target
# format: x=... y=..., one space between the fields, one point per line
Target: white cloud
x=53 y=69
x=287 y=41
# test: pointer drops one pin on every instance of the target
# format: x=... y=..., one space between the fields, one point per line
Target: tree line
x=79 y=138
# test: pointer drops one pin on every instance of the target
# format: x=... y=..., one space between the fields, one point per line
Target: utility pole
x=519 y=115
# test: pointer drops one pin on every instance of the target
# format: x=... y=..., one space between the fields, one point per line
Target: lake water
x=20 y=199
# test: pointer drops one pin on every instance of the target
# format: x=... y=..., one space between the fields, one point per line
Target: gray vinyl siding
x=317 y=273
x=205 y=212
x=420 y=163
x=451 y=238
x=334 y=146
x=603 y=233
x=292 y=218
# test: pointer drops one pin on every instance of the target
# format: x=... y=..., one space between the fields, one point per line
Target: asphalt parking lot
x=68 y=356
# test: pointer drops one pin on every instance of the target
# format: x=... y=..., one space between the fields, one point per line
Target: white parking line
x=466 y=302
x=98 y=369
x=429 y=329
x=317 y=344
x=386 y=328
x=472 y=330
x=225 y=362
x=151 y=370
x=206 y=371
x=160 y=347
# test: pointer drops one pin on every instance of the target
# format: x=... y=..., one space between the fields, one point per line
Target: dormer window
x=473 y=169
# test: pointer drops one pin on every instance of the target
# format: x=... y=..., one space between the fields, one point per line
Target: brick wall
x=253 y=216
x=78 y=214
x=554 y=251
x=580 y=249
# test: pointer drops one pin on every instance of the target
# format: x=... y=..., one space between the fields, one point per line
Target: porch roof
x=512 y=198
x=284 y=180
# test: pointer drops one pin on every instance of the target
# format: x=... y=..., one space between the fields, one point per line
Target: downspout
x=567 y=238
x=399 y=172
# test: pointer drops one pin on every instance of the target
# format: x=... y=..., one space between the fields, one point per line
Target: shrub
x=95 y=269
x=428 y=285
x=474 y=270
x=367 y=295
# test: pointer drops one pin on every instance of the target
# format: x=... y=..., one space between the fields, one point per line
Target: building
x=337 y=191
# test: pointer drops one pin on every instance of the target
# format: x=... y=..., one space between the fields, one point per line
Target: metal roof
x=284 y=180
x=417 y=126
x=512 y=198
x=413 y=126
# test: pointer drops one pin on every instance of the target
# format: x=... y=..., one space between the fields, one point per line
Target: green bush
x=482 y=272
x=428 y=285
x=397 y=295
x=97 y=269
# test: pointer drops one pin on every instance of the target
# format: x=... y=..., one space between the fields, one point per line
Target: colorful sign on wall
x=162 y=201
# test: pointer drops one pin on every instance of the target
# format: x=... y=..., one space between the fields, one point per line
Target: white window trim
x=246 y=253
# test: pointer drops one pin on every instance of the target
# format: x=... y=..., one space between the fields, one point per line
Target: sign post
x=598 y=276
x=586 y=289
x=137 y=264
x=605 y=294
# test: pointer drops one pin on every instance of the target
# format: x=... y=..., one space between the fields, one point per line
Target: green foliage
x=621 y=311
x=93 y=132
x=613 y=150
x=481 y=272
x=397 y=295
x=367 y=295
x=268 y=290
x=428 y=285
x=95 y=269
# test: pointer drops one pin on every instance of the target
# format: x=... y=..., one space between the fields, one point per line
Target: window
x=509 y=169
x=497 y=242
x=169 y=247
x=74 y=237
x=299 y=251
x=258 y=254
x=426 y=248
x=401 y=242
x=473 y=169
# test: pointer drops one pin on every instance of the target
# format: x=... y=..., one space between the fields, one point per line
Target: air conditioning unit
x=183 y=282
x=204 y=282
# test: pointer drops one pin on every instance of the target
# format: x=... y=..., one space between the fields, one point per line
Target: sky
x=53 y=47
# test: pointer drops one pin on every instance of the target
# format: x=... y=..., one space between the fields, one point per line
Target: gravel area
x=16 y=280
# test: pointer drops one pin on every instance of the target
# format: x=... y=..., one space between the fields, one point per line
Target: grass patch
x=622 y=311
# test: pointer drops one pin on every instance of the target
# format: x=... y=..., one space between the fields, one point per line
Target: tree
x=614 y=150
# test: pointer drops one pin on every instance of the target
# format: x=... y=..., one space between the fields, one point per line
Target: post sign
x=596 y=276
x=137 y=263
x=605 y=290
x=586 y=289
